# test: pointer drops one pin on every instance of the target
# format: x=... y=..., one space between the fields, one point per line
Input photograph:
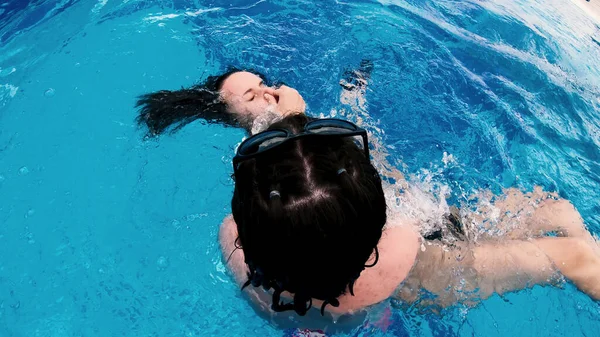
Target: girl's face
x=246 y=94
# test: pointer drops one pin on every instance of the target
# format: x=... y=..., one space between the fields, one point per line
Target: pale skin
x=485 y=268
x=246 y=94
x=467 y=272
x=520 y=259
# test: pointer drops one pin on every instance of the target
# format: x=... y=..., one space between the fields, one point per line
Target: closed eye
x=250 y=94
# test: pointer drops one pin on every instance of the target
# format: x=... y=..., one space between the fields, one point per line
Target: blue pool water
x=103 y=233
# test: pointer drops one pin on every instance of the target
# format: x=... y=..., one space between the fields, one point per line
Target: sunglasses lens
x=269 y=143
x=326 y=126
x=329 y=130
x=261 y=142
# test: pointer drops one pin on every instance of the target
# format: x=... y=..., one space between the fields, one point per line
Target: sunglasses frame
x=258 y=138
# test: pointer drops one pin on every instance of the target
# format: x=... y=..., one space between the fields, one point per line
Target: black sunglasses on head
x=270 y=139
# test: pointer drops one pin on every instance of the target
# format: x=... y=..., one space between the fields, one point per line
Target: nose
x=269 y=90
x=270 y=96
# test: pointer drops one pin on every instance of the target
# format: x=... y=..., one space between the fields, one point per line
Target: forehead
x=238 y=83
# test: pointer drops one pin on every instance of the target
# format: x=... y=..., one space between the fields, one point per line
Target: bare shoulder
x=398 y=249
x=234 y=257
x=227 y=235
x=397 y=253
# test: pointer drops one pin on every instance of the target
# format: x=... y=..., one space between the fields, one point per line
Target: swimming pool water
x=105 y=233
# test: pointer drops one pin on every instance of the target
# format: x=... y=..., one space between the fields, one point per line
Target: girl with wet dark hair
x=234 y=98
x=309 y=219
x=309 y=213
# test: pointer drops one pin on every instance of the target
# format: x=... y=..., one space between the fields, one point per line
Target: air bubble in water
x=49 y=92
x=23 y=170
x=162 y=263
x=459 y=257
x=29 y=213
x=29 y=237
x=176 y=224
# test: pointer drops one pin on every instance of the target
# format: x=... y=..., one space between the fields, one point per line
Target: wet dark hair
x=164 y=109
x=309 y=216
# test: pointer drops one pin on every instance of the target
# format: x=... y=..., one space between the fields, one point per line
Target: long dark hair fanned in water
x=166 y=109
x=309 y=216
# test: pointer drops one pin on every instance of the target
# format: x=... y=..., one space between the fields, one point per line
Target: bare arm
x=517 y=215
x=520 y=264
x=353 y=94
x=469 y=274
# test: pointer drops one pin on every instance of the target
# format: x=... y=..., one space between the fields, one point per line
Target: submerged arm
x=520 y=216
x=469 y=274
x=520 y=264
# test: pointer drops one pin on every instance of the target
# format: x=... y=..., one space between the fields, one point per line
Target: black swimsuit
x=452 y=231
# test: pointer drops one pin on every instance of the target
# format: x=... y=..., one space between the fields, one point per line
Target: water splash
x=8 y=90
x=262 y=122
x=159 y=17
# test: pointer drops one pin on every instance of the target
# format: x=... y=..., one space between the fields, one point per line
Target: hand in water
x=282 y=102
x=287 y=100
